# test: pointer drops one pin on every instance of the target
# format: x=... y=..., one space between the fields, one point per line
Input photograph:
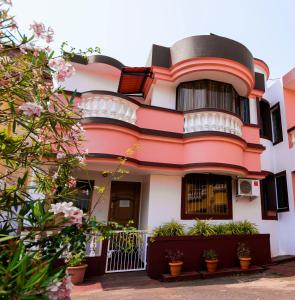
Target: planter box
x=193 y=247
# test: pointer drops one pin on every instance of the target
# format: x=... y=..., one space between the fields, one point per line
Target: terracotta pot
x=211 y=265
x=245 y=262
x=175 y=268
x=77 y=273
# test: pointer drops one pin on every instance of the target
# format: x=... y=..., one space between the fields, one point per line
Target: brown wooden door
x=124 y=204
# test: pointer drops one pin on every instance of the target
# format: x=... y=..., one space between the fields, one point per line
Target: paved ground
x=276 y=283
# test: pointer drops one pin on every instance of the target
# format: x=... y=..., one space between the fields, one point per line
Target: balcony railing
x=108 y=106
x=212 y=121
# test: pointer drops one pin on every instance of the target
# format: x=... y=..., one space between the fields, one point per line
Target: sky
x=126 y=29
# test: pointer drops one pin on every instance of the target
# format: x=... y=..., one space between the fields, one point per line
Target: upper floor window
x=270 y=122
x=206 y=196
x=265 y=120
x=277 y=132
x=211 y=94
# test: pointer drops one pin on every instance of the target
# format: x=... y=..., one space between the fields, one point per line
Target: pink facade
x=202 y=123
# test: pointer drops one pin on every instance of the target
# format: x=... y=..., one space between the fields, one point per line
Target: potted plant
x=175 y=262
x=211 y=260
x=76 y=267
x=244 y=255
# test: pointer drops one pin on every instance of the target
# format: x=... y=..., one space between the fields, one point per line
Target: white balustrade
x=212 y=121
x=94 y=245
x=108 y=106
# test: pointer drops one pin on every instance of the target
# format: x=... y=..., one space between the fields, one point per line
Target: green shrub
x=172 y=228
x=210 y=254
x=202 y=228
x=221 y=229
x=243 y=251
x=247 y=227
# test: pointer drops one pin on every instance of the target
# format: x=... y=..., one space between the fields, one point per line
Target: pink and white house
x=213 y=142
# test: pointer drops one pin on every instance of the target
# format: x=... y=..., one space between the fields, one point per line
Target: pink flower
x=23 y=49
x=74 y=214
x=62 y=68
x=84 y=151
x=77 y=216
x=60 y=155
x=40 y=31
x=67 y=71
x=31 y=109
x=13 y=25
x=81 y=159
x=60 y=290
x=7 y=2
x=86 y=192
x=49 y=35
x=71 y=182
x=56 y=63
x=38 y=28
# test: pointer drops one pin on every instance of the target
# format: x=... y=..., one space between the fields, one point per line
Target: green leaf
x=6 y=237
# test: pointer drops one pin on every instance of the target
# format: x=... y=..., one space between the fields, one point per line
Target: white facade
x=160 y=199
x=281 y=158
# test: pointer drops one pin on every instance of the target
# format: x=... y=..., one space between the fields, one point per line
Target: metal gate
x=126 y=251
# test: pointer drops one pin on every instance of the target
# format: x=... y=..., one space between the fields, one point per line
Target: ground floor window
x=274 y=195
x=282 y=192
x=206 y=196
x=268 y=198
x=84 y=194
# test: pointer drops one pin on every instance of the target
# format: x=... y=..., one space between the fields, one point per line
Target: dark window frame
x=246 y=115
x=187 y=216
x=286 y=208
x=210 y=87
x=268 y=183
x=91 y=183
x=277 y=108
x=265 y=120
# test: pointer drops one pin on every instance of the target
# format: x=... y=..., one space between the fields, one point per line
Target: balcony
x=108 y=106
x=212 y=121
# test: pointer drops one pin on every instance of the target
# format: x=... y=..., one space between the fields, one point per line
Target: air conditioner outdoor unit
x=248 y=187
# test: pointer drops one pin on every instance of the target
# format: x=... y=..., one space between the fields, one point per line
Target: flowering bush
x=72 y=213
x=60 y=290
x=40 y=146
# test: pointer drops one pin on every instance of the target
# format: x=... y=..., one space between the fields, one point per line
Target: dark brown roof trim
x=202 y=46
x=170 y=134
x=162 y=109
x=252 y=125
x=266 y=173
x=291 y=129
x=78 y=94
x=256 y=146
x=103 y=59
x=175 y=166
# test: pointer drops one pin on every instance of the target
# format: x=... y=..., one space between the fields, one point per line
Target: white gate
x=126 y=251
